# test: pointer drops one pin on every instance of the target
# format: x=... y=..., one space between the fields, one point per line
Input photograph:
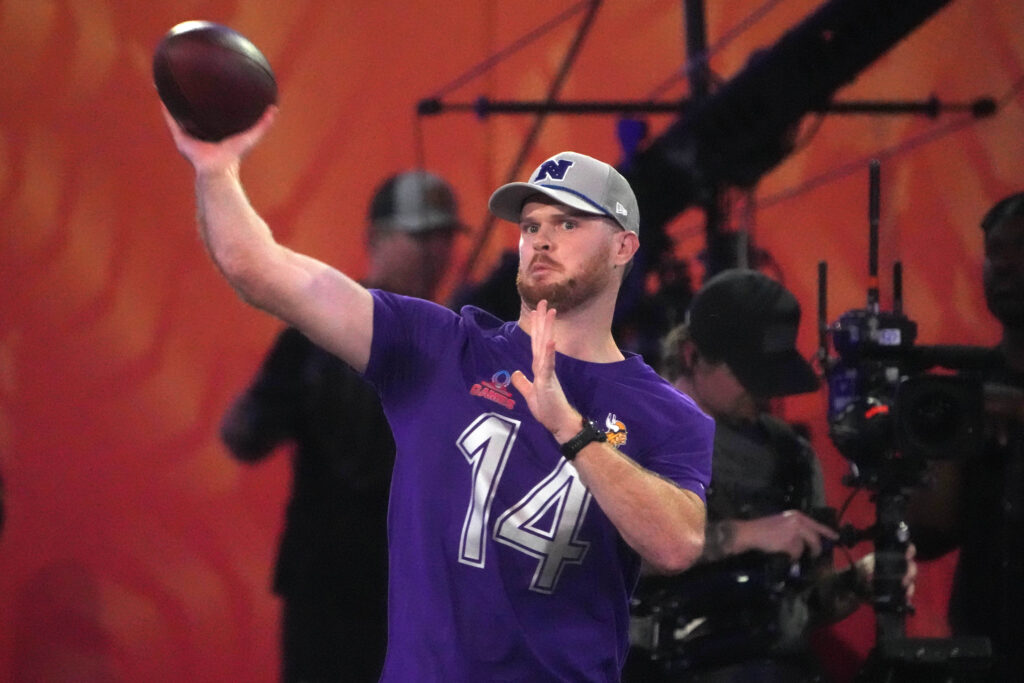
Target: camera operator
x=976 y=504
x=765 y=578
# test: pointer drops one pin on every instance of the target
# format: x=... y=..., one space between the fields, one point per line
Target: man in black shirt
x=765 y=579
x=977 y=504
x=332 y=561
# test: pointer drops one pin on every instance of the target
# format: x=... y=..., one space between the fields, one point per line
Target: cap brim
x=507 y=201
x=778 y=374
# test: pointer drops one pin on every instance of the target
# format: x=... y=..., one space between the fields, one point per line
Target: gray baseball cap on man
x=576 y=180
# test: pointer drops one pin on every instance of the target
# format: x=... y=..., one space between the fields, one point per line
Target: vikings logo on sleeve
x=615 y=430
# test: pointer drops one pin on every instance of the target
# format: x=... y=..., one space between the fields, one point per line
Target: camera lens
x=934 y=417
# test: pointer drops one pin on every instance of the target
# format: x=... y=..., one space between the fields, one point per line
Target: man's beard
x=570 y=293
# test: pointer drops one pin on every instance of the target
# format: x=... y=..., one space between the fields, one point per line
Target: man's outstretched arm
x=333 y=310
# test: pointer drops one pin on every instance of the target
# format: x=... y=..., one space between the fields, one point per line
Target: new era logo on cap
x=575 y=180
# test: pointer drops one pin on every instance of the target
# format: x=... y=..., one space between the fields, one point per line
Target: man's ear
x=688 y=356
x=628 y=244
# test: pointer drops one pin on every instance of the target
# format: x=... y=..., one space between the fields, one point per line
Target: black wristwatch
x=590 y=433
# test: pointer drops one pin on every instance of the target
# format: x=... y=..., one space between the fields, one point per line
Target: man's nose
x=543 y=239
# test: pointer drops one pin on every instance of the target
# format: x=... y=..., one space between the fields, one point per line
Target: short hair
x=1007 y=207
x=671 y=364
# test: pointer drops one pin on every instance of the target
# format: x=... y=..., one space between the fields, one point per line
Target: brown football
x=212 y=79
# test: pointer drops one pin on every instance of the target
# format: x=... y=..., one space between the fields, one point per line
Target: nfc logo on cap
x=555 y=170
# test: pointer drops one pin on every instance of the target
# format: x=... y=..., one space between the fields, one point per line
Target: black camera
x=890 y=408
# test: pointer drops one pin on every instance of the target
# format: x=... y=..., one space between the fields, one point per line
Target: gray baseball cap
x=413 y=202
x=575 y=180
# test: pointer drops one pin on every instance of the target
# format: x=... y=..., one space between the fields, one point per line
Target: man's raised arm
x=330 y=308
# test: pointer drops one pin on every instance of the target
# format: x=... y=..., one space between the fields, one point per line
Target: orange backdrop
x=134 y=547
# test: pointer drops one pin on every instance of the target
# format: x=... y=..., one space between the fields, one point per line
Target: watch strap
x=589 y=434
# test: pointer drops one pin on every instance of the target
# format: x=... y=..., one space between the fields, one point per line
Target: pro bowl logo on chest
x=496 y=389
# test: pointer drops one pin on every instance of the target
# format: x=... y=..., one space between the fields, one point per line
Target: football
x=212 y=79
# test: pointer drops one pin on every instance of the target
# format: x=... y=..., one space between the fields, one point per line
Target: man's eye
x=529 y=228
x=569 y=225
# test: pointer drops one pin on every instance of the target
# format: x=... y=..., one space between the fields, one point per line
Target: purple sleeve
x=687 y=460
x=407 y=333
x=681 y=439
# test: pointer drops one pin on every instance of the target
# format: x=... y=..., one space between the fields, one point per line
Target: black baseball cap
x=414 y=202
x=750 y=321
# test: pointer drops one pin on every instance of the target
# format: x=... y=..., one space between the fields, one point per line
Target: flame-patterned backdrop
x=134 y=547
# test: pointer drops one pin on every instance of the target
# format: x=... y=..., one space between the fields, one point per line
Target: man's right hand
x=791 y=532
x=225 y=154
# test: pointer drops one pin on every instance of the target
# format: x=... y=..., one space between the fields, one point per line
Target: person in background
x=765 y=577
x=976 y=504
x=331 y=568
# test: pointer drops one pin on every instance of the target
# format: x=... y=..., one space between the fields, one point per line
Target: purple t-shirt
x=502 y=566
